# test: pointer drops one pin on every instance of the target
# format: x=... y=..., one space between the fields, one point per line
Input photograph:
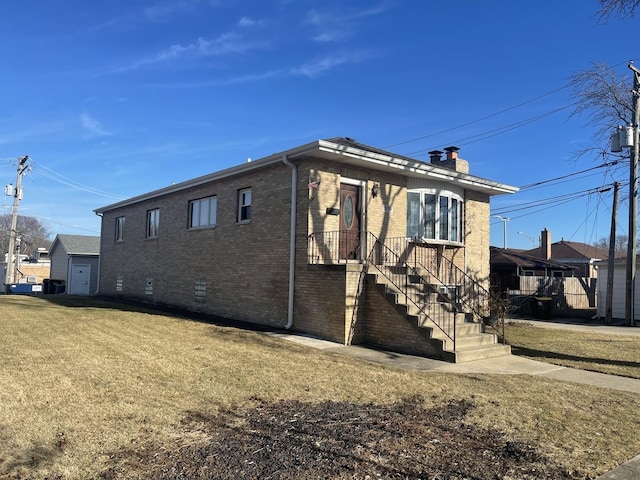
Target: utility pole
x=17 y=196
x=612 y=254
x=629 y=310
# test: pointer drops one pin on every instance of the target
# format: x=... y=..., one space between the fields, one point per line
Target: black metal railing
x=428 y=260
x=420 y=272
x=333 y=247
x=428 y=299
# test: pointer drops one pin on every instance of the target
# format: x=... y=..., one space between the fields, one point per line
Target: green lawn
x=81 y=379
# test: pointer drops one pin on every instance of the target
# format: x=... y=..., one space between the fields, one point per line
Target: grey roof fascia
x=335 y=151
x=245 y=167
x=418 y=169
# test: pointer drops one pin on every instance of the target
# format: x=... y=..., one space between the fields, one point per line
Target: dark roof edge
x=245 y=167
x=337 y=147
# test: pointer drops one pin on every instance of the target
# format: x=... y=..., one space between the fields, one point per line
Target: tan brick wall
x=244 y=266
x=386 y=328
x=477 y=236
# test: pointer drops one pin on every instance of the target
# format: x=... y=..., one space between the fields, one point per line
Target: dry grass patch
x=598 y=352
x=82 y=381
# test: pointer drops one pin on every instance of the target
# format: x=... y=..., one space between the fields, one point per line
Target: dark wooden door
x=349 y=221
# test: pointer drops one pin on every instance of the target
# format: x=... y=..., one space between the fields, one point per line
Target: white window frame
x=431 y=207
x=203 y=213
x=244 y=205
x=153 y=223
x=119 y=233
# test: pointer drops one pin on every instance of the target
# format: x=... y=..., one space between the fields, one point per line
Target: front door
x=80 y=276
x=349 y=221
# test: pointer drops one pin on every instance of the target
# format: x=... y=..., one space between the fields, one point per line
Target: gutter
x=292 y=238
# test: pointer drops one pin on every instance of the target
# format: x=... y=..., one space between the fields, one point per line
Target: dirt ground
x=335 y=440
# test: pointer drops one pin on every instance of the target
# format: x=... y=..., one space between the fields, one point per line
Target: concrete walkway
x=510 y=365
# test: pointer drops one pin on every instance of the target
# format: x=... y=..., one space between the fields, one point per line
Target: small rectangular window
x=153 y=223
x=455 y=220
x=119 y=229
x=244 y=205
x=413 y=215
x=443 y=223
x=430 y=216
x=203 y=212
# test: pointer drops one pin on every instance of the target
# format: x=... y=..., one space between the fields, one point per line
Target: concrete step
x=462 y=329
x=470 y=354
x=476 y=340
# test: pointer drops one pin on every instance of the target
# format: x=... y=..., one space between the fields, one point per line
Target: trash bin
x=542 y=307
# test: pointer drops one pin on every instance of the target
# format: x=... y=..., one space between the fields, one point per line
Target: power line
x=556 y=200
x=478 y=119
x=57 y=177
x=500 y=130
x=542 y=182
x=496 y=131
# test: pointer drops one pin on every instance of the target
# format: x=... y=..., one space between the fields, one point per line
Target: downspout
x=99 y=257
x=292 y=239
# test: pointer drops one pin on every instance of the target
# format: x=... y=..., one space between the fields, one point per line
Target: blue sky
x=114 y=99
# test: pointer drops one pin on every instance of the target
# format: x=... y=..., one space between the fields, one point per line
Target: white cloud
x=162 y=11
x=224 y=44
x=313 y=69
x=249 y=22
x=337 y=26
x=93 y=125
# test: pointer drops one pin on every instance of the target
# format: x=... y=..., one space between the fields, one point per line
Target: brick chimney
x=545 y=244
x=452 y=152
x=453 y=162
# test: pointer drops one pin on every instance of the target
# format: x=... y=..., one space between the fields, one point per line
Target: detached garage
x=619 y=289
x=74 y=261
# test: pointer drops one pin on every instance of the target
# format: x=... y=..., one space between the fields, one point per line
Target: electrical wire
x=558 y=199
x=500 y=130
x=494 y=132
x=486 y=117
x=46 y=172
x=535 y=184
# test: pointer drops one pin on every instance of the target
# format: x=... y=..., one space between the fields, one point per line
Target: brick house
x=333 y=238
x=582 y=256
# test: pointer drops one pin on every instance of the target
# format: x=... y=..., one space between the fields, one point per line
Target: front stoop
x=469 y=354
x=472 y=343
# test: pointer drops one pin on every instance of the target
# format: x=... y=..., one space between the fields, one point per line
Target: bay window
x=434 y=216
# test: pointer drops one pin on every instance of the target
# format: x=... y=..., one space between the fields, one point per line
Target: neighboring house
x=29 y=270
x=619 y=290
x=580 y=255
x=509 y=266
x=75 y=263
x=333 y=238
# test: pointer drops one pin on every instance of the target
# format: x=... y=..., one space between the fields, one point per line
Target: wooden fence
x=567 y=294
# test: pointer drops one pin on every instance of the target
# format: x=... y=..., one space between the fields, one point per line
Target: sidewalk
x=510 y=365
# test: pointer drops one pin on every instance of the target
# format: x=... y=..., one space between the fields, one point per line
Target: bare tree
x=33 y=234
x=604 y=96
x=620 y=246
x=623 y=8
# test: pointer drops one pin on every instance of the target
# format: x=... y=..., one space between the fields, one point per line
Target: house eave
x=341 y=153
x=413 y=168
